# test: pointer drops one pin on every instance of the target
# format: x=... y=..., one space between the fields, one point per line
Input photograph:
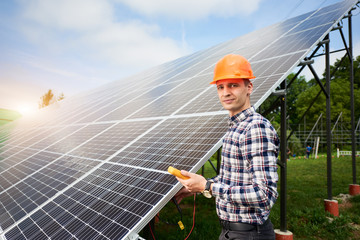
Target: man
x=308 y=150
x=245 y=190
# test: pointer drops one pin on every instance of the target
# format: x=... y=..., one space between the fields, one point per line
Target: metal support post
x=283 y=150
x=353 y=138
x=328 y=120
x=282 y=233
x=331 y=206
x=354 y=189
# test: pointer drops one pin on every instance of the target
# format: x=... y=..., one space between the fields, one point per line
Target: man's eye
x=233 y=85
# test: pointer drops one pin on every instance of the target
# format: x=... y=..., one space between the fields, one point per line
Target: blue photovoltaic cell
x=93 y=166
x=178 y=142
x=44 y=177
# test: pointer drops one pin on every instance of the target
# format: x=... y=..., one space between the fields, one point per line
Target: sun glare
x=25 y=109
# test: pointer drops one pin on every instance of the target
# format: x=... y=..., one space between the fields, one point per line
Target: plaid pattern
x=245 y=189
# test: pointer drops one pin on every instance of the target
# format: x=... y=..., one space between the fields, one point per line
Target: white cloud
x=133 y=44
x=89 y=29
x=190 y=9
x=356 y=49
x=78 y=15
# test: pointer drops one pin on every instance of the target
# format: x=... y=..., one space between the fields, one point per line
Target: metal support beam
x=328 y=120
x=350 y=14
x=324 y=41
x=344 y=41
x=276 y=103
x=338 y=27
x=337 y=120
x=335 y=51
x=283 y=150
x=317 y=121
x=316 y=97
x=357 y=125
x=306 y=62
x=212 y=165
x=318 y=80
x=281 y=92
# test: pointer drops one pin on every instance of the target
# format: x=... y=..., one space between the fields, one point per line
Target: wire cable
x=193 y=220
x=152 y=234
x=179 y=210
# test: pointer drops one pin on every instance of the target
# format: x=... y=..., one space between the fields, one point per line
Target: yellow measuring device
x=176 y=172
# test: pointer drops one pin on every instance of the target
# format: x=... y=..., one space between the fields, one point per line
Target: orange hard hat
x=232 y=66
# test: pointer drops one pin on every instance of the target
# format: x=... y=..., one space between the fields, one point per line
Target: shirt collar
x=241 y=116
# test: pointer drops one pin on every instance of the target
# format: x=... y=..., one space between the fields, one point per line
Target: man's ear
x=250 y=88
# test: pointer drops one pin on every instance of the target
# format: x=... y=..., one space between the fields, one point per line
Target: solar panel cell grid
x=104 y=109
x=9 y=146
x=211 y=104
x=15 y=234
x=168 y=136
x=76 y=138
x=171 y=102
x=108 y=142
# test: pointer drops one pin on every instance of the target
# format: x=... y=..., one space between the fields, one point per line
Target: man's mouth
x=228 y=101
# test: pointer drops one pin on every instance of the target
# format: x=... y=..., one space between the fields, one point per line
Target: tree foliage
x=339 y=94
x=302 y=92
x=298 y=85
x=49 y=98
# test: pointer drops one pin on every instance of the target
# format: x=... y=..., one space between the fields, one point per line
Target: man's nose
x=226 y=91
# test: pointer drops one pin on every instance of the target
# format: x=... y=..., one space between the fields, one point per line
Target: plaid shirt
x=245 y=189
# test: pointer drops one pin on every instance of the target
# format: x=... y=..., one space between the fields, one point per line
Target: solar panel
x=94 y=165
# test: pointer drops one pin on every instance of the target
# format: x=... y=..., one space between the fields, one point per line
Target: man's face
x=234 y=94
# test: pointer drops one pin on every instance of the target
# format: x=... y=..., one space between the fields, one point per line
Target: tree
x=339 y=94
x=60 y=97
x=301 y=94
x=48 y=98
x=298 y=86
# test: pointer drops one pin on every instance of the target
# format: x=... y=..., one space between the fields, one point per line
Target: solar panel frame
x=96 y=199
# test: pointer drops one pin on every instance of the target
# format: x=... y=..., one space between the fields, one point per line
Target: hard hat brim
x=231 y=77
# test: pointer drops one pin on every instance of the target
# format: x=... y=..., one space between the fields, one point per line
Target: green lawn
x=306 y=216
x=7 y=116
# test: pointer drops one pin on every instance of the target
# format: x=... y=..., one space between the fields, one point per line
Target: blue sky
x=71 y=46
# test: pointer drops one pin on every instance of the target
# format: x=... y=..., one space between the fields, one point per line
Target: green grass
x=306 y=216
x=7 y=116
x=307 y=189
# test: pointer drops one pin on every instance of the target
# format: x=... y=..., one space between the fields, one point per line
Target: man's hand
x=195 y=183
x=183 y=193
